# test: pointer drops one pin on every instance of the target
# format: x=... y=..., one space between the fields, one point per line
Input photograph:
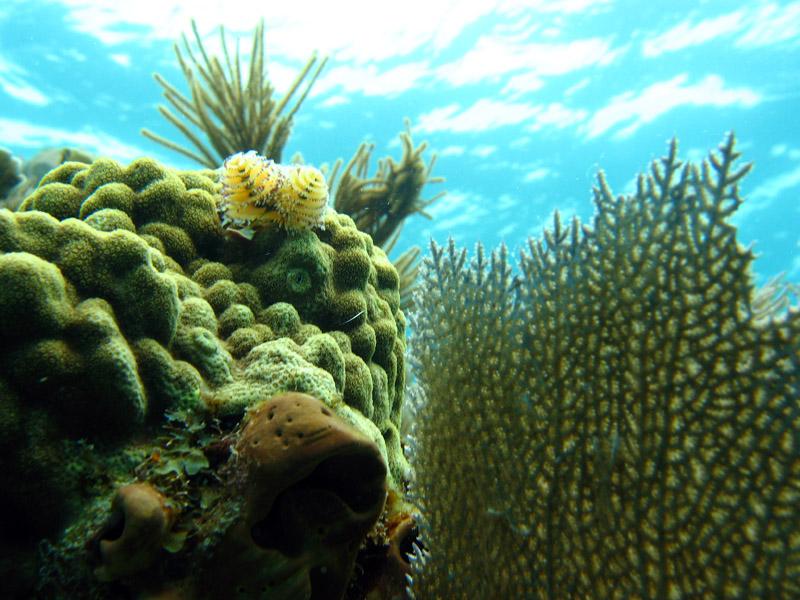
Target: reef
x=144 y=344
x=615 y=415
x=380 y=204
x=239 y=116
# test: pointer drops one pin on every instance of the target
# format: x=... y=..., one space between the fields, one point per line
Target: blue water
x=523 y=101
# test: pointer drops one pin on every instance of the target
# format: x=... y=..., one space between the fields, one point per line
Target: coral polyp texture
x=258 y=192
x=122 y=300
x=617 y=417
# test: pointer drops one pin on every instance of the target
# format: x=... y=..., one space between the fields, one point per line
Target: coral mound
x=122 y=299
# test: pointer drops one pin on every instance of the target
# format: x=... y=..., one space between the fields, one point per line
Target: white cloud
x=453 y=201
x=483 y=151
x=66 y=55
x=536 y=174
x=772 y=24
x=775 y=186
x=630 y=110
x=495 y=56
x=524 y=83
x=121 y=59
x=360 y=36
x=794 y=271
x=459 y=221
x=451 y=151
x=353 y=30
x=557 y=115
x=778 y=150
x=506 y=202
x=371 y=80
x=456 y=213
x=766 y=24
x=29 y=135
x=486 y=114
x=13 y=81
x=520 y=142
x=687 y=34
x=481 y=116
x=785 y=150
x=336 y=100
x=766 y=193
x=360 y=31
x=507 y=230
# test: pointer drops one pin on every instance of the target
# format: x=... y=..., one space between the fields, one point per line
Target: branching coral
x=616 y=420
x=381 y=203
x=234 y=115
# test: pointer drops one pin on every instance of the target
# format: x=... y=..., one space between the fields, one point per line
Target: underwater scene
x=421 y=300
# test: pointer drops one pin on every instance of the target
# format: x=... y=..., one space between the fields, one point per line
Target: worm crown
x=257 y=191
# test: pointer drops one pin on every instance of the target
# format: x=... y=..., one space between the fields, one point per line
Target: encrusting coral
x=124 y=300
x=612 y=419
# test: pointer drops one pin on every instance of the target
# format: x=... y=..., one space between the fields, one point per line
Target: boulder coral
x=122 y=300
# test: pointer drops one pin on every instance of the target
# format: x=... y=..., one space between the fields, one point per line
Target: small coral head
x=258 y=192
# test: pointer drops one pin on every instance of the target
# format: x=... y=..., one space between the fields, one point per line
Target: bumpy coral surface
x=615 y=421
x=121 y=297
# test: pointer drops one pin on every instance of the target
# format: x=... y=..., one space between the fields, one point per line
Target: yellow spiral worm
x=257 y=192
x=303 y=201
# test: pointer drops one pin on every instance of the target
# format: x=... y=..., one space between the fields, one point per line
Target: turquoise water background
x=523 y=101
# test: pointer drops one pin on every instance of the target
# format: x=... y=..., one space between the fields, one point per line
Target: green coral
x=129 y=300
x=615 y=420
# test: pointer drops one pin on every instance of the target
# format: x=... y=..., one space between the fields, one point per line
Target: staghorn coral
x=123 y=300
x=234 y=115
x=615 y=420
